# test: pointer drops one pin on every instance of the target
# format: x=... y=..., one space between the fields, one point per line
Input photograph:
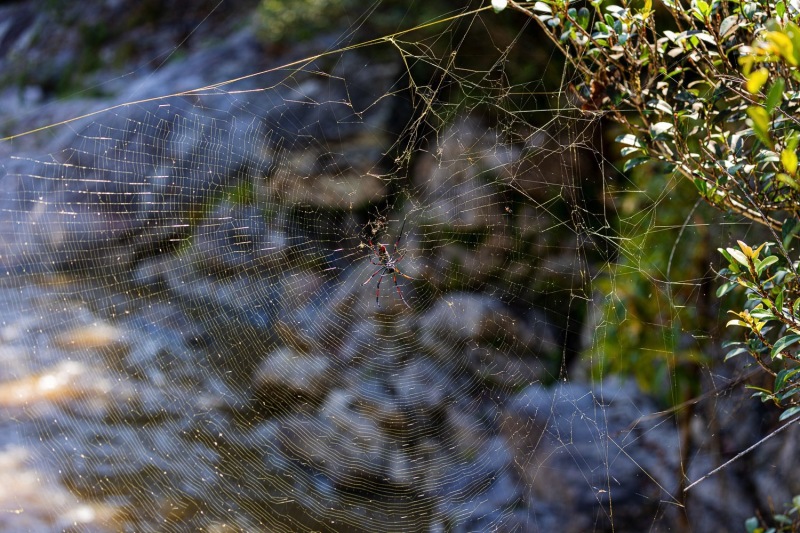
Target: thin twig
x=743 y=453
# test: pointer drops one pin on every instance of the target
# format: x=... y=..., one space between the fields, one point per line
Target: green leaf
x=767 y=156
x=731 y=262
x=701 y=10
x=789 y=413
x=783 y=343
x=763 y=314
x=728 y=26
x=541 y=7
x=792 y=139
x=764 y=263
x=728 y=344
x=661 y=131
x=634 y=162
x=725 y=288
x=629 y=140
x=789 y=230
x=702 y=186
x=583 y=18
x=760 y=391
x=703 y=36
x=628 y=150
x=774 y=95
x=783 y=376
x=735 y=352
x=661 y=105
x=499 y=5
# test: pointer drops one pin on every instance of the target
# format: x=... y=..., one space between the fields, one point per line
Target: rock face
x=574 y=446
x=190 y=332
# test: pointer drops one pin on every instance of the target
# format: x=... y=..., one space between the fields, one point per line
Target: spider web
x=191 y=337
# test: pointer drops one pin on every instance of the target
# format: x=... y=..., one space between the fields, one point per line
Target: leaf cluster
x=785 y=522
x=770 y=318
x=714 y=97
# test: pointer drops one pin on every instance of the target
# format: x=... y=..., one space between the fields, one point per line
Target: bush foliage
x=710 y=89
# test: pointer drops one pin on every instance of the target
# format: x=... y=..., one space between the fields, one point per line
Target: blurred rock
x=777 y=456
x=481 y=333
x=576 y=450
x=32 y=502
x=286 y=376
x=99 y=335
x=459 y=174
x=341 y=442
x=69 y=382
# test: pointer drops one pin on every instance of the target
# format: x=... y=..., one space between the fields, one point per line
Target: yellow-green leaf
x=793 y=32
x=789 y=161
x=792 y=138
x=736 y=322
x=760 y=119
x=780 y=44
x=756 y=80
x=786 y=179
x=745 y=248
x=738 y=256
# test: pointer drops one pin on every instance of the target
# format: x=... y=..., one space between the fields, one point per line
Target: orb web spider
x=387 y=264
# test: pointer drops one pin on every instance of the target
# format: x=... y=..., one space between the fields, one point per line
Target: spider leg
x=407 y=277
x=399 y=236
x=399 y=292
x=374 y=250
x=372 y=276
x=378 y=290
